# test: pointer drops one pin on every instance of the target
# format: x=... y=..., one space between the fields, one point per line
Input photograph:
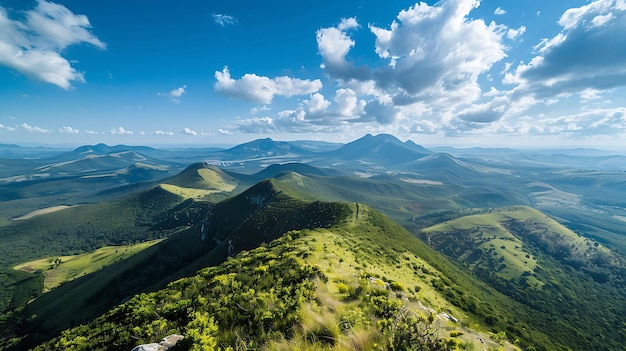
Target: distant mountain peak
x=382 y=149
x=98 y=148
x=266 y=147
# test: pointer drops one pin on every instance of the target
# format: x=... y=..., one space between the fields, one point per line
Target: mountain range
x=493 y=248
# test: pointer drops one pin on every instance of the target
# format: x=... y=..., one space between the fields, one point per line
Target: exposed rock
x=165 y=344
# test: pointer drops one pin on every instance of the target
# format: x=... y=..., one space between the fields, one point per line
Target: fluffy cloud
x=255 y=110
x=499 y=11
x=436 y=52
x=224 y=20
x=33 y=129
x=263 y=89
x=68 y=130
x=381 y=112
x=34 y=45
x=121 y=131
x=431 y=60
x=485 y=113
x=316 y=104
x=430 y=70
x=515 y=33
x=7 y=128
x=588 y=54
x=316 y=114
x=333 y=45
x=188 y=131
x=263 y=125
x=175 y=94
x=594 y=122
x=348 y=103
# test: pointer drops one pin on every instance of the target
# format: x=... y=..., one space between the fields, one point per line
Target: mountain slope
x=382 y=149
x=533 y=259
x=312 y=288
x=301 y=168
x=265 y=148
x=203 y=234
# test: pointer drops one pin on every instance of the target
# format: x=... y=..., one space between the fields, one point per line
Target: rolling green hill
x=207 y=177
x=58 y=270
x=535 y=260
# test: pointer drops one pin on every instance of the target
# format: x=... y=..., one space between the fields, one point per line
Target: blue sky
x=524 y=73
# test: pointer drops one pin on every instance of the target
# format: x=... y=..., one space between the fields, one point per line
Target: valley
x=493 y=249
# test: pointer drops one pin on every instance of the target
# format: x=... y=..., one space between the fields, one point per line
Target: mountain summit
x=382 y=149
x=265 y=147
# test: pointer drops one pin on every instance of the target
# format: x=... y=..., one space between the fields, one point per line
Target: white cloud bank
x=442 y=71
x=34 y=129
x=431 y=58
x=34 y=45
x=588 y=54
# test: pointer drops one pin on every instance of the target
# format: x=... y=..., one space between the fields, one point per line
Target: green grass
x=254 y=301
x=188 y=193
x=482 y=241
x=199 y=176
x=506 y=251
x=530 y=257
x=506 y=242
x=58 y=270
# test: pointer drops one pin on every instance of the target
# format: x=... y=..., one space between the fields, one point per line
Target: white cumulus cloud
x=175 y=94
x=263 y=89
x=431 y=60
x=513 y=33
x=333 y=44
x=121 y=131
x=69 y=130
x=188 y=131
x=34 y=129
x=437 y=50
x=34 y=45
x=317 y=103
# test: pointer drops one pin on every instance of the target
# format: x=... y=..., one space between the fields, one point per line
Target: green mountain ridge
x=310 y=288
x=202 y=235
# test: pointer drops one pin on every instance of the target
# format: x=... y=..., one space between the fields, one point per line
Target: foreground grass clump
x=245 y=301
